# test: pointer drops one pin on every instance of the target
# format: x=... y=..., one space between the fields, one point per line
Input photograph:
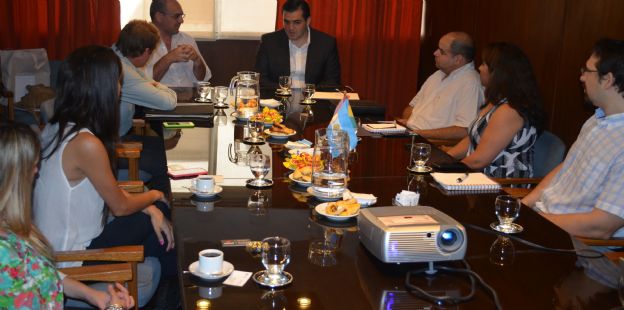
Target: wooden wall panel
x=226 y=57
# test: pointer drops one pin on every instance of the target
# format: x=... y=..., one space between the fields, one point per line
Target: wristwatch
x=115 y=307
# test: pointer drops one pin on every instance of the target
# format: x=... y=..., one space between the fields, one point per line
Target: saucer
x=323 y=196
x=217 y=189
x=425 y=169
x=252 y=141
x=311 y=102
x=220 y=106
x=226 y=269
x=515 y=228
x=203 y=101
x=299 y=182
x=263 y=279
x=253 y=183
x=279 y=135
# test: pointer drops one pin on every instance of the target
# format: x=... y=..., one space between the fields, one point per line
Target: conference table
x=523 y=277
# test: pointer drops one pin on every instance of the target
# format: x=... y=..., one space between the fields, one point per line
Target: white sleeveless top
x=69 y=216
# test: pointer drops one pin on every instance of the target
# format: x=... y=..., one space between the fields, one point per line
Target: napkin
x=301 y=144
x=271 y=103
x=407 y=198
x=363 y=199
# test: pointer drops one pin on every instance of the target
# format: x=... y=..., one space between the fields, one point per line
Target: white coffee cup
x=204 y=184
x=210 y=261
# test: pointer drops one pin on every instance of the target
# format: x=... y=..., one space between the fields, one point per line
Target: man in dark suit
x=307 y=55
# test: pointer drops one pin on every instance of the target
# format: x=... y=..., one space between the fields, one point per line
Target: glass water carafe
x=245 y=89
x=329 y=162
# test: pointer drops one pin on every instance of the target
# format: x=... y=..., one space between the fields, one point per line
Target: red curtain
x=60 y=26
x=378 y=43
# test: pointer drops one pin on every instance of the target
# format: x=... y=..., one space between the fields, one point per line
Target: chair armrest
x=131 y=186
x=602 y=242
x=129 y=149
x=121 y=272
x=130 y=253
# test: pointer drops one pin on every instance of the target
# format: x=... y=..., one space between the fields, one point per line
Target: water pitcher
x=245 y=89
x=330 y=160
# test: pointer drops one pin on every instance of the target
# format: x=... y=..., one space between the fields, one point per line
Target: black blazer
x=322 y=63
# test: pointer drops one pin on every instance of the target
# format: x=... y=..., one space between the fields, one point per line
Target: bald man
x=448 y=101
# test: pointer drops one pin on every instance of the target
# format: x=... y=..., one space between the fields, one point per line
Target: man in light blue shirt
x=584 y=194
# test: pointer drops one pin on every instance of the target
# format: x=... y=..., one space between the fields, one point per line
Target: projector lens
x=450 y=240
x=448 y=237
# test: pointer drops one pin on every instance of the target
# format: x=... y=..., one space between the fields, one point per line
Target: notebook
x=384 y=128
x=475 y=181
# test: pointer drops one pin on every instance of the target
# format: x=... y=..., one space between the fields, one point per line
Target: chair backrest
x=549 y=152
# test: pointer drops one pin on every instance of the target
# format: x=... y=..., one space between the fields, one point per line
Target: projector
x=411 y=234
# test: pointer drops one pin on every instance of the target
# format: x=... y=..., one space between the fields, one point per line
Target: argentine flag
x=343 y=119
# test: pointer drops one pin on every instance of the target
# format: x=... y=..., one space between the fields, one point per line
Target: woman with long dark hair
x=76 y=189
x=500 y=141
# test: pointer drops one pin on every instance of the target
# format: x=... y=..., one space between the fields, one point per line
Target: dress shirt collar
x=605 y=120
x=460 y=70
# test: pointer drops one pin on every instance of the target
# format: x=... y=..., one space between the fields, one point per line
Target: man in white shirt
x=176 y=61
x=448 y=101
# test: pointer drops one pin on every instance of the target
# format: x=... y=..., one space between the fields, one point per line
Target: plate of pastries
x=279 y=131
x=341 y=210
x=302 y=176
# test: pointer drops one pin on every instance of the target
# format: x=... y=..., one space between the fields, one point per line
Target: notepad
x=476 y=181
x=384 y=128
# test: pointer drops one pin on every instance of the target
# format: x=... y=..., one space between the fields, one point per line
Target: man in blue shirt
x=583 y=195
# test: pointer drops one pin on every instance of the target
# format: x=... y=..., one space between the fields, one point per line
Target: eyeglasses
x=175 y=16
x=583 y=70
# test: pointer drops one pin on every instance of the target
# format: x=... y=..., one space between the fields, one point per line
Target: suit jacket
x=322 y=63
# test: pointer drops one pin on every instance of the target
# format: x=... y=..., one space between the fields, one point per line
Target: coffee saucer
x=322 y=196
x=202 y=101
x=226 y=269
x=514 y=229
x=217 y=189
x=424 y=169
x=262 y=278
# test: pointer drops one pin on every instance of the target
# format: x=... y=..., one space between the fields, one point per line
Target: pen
x=463 y=178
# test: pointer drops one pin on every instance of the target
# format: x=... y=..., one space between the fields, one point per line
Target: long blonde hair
x=19 y=153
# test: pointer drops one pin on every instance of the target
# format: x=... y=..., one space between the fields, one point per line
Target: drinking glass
x=275 y=257
x=203 y=91
x=419 y=157
x=502 y=252
x=255 y=131
x=330 y=162
x=507 y=209
x=308 y=92
x=260 y=165
x=258 y=203
x=284 y=84
x=221 y=94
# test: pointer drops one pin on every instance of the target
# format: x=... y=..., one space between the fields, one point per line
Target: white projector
x=411 y=234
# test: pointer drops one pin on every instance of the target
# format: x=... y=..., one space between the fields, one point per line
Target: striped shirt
x=592 y=175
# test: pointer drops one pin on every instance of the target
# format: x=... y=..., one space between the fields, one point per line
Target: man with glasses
x=448 y=101
x=583 y=195
x=176 y=61
x=306 y=54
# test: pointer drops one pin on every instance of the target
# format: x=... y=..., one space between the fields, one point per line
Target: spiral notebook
x=475 y=181
x=384 y=128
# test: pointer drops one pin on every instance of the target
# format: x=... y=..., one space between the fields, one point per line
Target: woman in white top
x=76 y=189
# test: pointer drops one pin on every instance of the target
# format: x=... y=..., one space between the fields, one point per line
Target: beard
x=587 y=104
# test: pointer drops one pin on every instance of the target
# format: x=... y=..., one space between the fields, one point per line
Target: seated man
x=176 y=61
x=448 y=101
x=583 y=195
x=136 y=42
x=306 y=54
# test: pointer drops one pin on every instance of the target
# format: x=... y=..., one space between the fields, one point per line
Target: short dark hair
x=610 y=55
x=462 y=45
x=293 y=5
x=157 y=6
x=136 y=36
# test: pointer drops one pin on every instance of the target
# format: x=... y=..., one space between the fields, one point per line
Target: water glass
x=420 y=155
x=258 y=203
x=275 y=257
x=308 y=92
x=507 y=209
x=221 y=94
x=330 y=162
x=502 y=252
x=203 y=91
x=255 y=130
x=260 y=165
x=284 y=84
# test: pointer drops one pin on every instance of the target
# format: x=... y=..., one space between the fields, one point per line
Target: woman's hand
x=161 y=226
x=119 y=295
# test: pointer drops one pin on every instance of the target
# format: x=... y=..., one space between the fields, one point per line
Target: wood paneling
x=226 y=57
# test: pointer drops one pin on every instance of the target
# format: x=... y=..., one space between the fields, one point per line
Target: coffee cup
x=210 y=261
x=204 y=184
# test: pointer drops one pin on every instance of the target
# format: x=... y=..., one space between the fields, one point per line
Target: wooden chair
x=124 y=271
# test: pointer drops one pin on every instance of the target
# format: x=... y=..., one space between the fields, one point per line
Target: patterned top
x=592 y=175
x=27 y=280
x=516 y=159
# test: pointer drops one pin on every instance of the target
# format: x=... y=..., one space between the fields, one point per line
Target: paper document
x=334 y=95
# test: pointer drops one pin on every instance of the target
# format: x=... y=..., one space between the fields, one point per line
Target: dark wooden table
x=523 y=278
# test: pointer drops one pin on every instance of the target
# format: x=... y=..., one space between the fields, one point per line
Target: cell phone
x=178 y=124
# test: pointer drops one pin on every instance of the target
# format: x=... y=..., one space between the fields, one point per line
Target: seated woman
x=76 y=188
x=27 y=273
x=500 y=141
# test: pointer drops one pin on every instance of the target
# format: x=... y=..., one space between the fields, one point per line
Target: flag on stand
x=343 y=119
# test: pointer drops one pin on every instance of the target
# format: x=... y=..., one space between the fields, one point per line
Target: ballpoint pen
x=463 y=178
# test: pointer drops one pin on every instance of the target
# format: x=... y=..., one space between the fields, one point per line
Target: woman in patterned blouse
x=500 y=141
x=28 y=278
